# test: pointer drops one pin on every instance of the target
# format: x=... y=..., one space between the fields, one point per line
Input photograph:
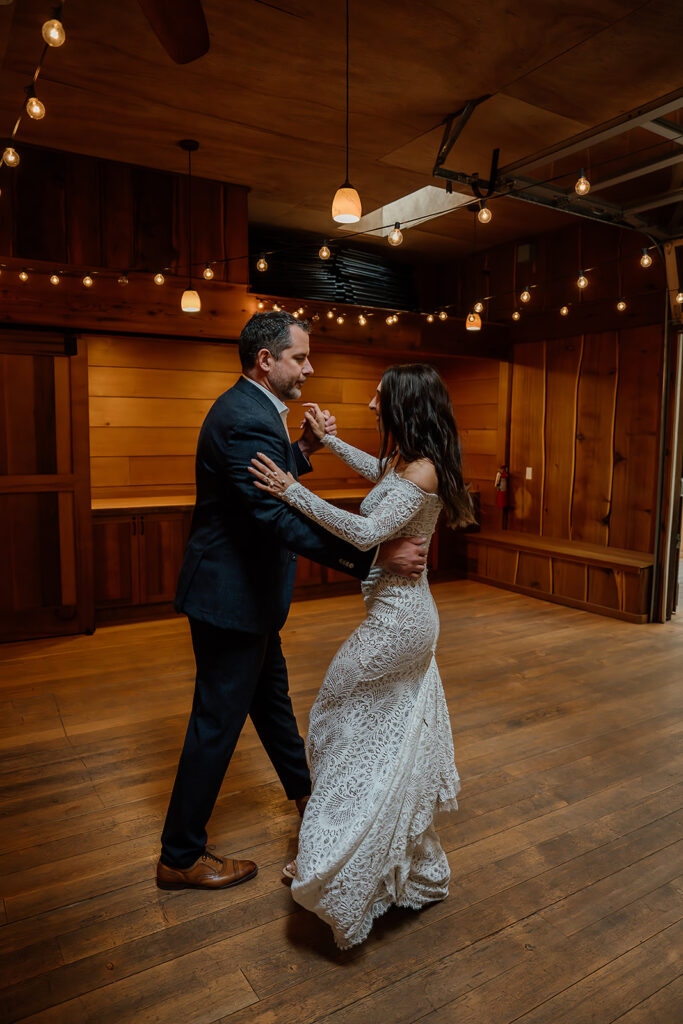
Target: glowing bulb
x=389 y=321
x=340 y=320
x=443 y=315
x=190 y=302
x=473 y=322
x=484 y=215
x=478 y=307
x=53 y=32
x=261 y=264
x=300 y=310
x=276 y=307
x=583 y=185
x=582 y=281
x=346 y=205
x=87 y=281
x=10 y=157
x=515 y=315
x=23 y=276
x=526 y=295
x=362 y=320
x=679 y=298
x=646 y=259
x=54 y=278
x=330 y=314
x=207 y=273
x=260 y=304
x=324 y=252
x=159 y=278
x=123 y=280
x=430 y=318
x=621 y=305
x=295 y=314
x=564 y=311
x=395 y=237
x=34 y=108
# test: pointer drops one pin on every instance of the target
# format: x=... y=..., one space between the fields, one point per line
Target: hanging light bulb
x=395 y=237
x=478 y=307
x=300 y=310
x=346 y=205
x=54 y=278
x=207 y=273
x=583 y=185
x=190 y=301
x=564 y=310
x=362 y=320
x=53 y=31
x=621 y=305
x=261 y=264
x=582 y=280
x=123 y=279
x=473 y=322
x=10 y=157
x=679 y=298
x=324 y=252
x=340 y=320
x=389 y=321
x=23 y=275
x=260 y=304
x=516 y=315
x=646 y=259
x=159 y=278
x=34 y=108
x=443 y=315
x=87 y=281
x=526 y=295
x=295 y=314
x=430 y=318
x=484 y=215
x=330 y=314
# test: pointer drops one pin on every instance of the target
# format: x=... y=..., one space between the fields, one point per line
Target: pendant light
x=190 y=302
x=346 y=205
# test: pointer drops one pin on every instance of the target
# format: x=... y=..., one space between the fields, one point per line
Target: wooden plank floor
x=567 y=878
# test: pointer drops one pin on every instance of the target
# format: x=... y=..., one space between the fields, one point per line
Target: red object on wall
x=502 y=487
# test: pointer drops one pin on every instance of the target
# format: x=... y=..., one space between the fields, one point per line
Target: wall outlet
x=529 y=473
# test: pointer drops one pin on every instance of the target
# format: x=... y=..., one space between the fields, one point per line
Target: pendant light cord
x=189 y=218
x=347 y=92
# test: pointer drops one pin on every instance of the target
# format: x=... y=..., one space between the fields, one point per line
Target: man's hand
x=404 y=556
x=316 y=424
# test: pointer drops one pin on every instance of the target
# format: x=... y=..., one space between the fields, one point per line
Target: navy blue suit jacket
x=239 y=564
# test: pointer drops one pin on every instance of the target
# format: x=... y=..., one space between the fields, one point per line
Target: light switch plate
x=529 y=473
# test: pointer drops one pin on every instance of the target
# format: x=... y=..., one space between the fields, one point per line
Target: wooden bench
x=609 y=581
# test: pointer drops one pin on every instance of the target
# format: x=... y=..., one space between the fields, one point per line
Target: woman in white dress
x=379 y=744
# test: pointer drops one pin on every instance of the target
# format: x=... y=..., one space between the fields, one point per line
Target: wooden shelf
x=186 y=501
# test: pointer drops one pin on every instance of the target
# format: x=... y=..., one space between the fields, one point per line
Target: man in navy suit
x=235 y=587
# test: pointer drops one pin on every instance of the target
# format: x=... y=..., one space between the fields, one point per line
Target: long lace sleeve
x=363 y=463
x=396 y=509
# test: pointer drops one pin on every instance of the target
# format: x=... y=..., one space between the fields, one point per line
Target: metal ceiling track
x=511 y=180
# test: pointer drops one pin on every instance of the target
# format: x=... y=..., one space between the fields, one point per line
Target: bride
x=379 y=742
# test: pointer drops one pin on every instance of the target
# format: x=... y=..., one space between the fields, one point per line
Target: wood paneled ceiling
x=267 y=101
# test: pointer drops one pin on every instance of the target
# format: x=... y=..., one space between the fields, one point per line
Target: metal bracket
x=453 y=127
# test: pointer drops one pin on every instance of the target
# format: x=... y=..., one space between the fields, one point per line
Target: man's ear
x=264 y=360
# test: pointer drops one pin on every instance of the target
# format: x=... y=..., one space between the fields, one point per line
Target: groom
x=235 y=587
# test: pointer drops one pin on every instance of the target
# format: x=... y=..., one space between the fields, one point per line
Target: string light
x=54 y=278
x=473 y=322
x=526 y=295
x=679 y=298
x=516 y=315
x=10 y=157
x=484 y=215
x=123 y=279
x=23 y=275
x=276 y=307
x=430 y=318
x=330 y=314
x=300 y=310
x=340 y=320
x=207 y=273
x=478 y=307
x=295 y=314
x=362 y=320
x=34 y=108
x=395 y=237
x=261 y=264
x=583 y=185
x=389 y=321
x=87 y=281
x=564 y=310
x=260 y=303
x=621 y=305
x=646 y=259
x=443 y=315
x=582 y=280
x=324 y=252
x=159 y=279
x=53 y=31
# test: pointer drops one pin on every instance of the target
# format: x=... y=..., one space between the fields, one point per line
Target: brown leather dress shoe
x=207 y=872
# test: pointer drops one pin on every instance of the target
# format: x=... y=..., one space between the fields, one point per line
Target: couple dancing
x=379 y=746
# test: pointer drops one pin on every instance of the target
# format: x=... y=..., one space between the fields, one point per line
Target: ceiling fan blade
x=180 y=26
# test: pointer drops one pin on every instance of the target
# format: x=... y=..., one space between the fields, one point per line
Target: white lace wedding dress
x=379 y=741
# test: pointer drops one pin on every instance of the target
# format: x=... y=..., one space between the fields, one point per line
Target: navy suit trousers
x=238 y=674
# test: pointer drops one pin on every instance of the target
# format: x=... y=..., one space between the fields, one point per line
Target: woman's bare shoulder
x=422 y=473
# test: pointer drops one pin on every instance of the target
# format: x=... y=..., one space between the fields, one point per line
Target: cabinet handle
x=135 y=525
x=142 y=525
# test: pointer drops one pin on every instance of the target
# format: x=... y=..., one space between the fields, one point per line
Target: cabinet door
x=115 y=545
x=162 y=537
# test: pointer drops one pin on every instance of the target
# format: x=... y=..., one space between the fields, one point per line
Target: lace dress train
x=379 y=742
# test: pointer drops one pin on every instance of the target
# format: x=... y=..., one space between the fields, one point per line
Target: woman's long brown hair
x=417 y=422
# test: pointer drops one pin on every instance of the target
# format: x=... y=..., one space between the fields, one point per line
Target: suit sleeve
x=234 y=452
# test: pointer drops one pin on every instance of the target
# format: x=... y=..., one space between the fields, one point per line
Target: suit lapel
x=256 y=394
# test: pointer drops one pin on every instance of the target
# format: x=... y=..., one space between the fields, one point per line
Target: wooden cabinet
x=137 y=555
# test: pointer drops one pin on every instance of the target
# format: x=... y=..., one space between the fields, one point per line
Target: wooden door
x=161 y=537
x=117 y=574
x=45 y=540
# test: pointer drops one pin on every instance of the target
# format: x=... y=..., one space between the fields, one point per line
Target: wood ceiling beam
x=637 y=172
x=663 y=199
x=667 y=129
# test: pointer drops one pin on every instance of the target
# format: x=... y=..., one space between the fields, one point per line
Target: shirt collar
x=280 y=406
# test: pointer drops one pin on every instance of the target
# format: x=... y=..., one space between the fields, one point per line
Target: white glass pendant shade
x=190 y=302
x=473 y=322
x=346 y=205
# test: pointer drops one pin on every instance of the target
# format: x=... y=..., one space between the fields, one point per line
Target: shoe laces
x=210 y=856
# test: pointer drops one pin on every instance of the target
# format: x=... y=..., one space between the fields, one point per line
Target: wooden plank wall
x=585 y=418
x=148 y=399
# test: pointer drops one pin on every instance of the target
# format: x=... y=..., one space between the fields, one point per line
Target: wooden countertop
x=181 y=502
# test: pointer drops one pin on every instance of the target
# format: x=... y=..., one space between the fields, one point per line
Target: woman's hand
x=269 y=476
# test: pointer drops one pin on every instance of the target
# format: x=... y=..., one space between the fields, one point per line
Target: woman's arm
x=360 y=461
